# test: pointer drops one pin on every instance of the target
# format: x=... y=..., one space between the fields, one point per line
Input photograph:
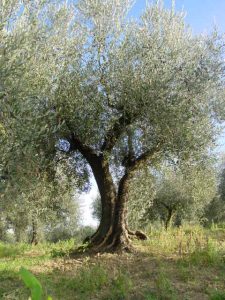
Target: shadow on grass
x=143 y=275
x=11 y=287
x=90 y=281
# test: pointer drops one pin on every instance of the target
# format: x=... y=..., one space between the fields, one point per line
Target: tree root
x=140 y=235
x=113 y=245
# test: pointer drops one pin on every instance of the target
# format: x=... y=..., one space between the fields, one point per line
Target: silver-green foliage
x=91 y=63
x=183 y=192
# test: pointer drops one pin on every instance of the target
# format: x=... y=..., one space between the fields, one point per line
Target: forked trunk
x=112 y=234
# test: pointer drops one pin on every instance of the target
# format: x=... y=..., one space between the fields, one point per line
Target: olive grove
x=81 y=82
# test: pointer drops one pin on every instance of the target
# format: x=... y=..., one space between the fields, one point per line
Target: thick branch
x=85 y=150
x=123 y=188
x=77 y=145
x=134 y=164
x=115 y=132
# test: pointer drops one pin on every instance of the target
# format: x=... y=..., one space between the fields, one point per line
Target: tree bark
x=17 y=234
x=169 y=218
x=34 y=234
x=112 y=234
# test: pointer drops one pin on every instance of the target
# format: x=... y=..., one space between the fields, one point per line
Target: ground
x=185 y=263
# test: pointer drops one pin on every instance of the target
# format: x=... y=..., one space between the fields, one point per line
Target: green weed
x=217 y=295
x=165 y=288
x=89 y=280
x=58 y=253
x=120 y=287
x=150 y=296
x=185 y=257
x=206 y=256
x=184 y=271
x=32 y=283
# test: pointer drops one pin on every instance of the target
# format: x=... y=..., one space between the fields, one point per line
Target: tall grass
x=9 y=250
x=190 y=243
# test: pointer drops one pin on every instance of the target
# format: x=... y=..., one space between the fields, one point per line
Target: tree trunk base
x=35 y=242
x=112 y=242
x=113 y=245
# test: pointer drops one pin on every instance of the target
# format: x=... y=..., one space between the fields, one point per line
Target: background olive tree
x=183 y=193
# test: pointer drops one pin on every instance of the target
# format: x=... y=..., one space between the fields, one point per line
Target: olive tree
x=32 y=41
x=215 y=212
x=114 y=94
x=182 y=193
x=152 y=89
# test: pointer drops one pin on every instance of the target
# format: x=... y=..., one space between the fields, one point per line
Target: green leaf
x=32 y=283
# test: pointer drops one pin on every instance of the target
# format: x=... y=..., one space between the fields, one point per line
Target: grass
x=12 y=250
x=217 y=295
x=185 y=263
x=165 y=289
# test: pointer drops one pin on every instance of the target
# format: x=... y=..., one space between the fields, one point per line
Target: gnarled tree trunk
x=112 y=233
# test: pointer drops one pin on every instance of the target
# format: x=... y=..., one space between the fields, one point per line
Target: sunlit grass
x=186 y=242
x=188 y=258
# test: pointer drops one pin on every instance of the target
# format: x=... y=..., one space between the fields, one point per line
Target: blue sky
x=201 y=15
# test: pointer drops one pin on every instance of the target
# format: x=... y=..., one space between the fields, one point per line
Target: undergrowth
x=190 y=243
x=169 y=265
